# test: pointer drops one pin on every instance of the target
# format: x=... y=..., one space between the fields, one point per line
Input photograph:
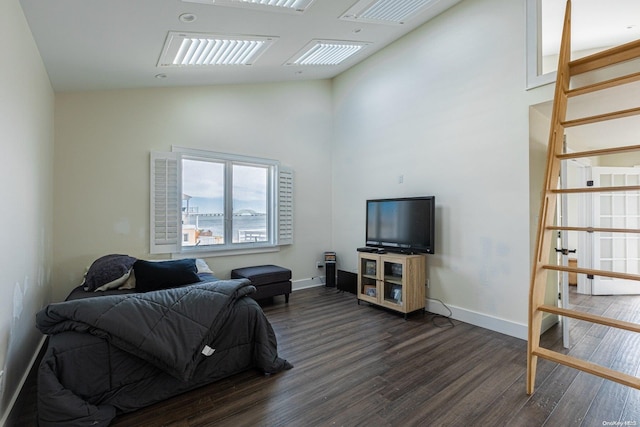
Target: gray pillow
x=107 y=269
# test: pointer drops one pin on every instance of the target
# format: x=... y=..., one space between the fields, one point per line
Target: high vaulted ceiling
x=91 y=44
x=109 y=44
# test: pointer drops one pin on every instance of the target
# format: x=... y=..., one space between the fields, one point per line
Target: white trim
x=313 y=282
x=284 y=209
x=584 y=218
x=206 y=154
x=23 y=380
x=548 y=321
x=164 y=202
x=507 y=327
x=517 y=330
x=166 y=194
x=206 y=253
x=534 y=47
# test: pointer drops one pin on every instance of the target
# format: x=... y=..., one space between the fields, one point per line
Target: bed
x=119 y=349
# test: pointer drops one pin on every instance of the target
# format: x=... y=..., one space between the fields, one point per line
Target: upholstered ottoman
x=269 y=280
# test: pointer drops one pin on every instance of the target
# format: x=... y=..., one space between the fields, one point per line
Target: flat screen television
x=405 y=225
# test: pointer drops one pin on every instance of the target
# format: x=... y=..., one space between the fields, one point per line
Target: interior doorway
x=619 y=252
x=576 y=211
x=570 y=248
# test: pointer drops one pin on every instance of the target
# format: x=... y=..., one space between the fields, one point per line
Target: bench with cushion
x=269 y=280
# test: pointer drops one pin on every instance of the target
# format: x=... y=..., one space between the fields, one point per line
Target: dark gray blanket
x=170 y=329
x=110 y=354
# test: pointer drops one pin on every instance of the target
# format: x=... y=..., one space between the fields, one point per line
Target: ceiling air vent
x=287 y=6
x=196 y=49
x=326 y=52
x=386 y=11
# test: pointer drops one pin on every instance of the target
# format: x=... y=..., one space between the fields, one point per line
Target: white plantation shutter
x=285 y=206
x=165 y=203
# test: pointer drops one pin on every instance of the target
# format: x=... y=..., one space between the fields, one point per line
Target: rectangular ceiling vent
x=386 y=11
x=286 y=6
x=326 y=52
x=196 y=49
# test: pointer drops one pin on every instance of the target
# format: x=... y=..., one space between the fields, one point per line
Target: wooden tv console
x=394 y=281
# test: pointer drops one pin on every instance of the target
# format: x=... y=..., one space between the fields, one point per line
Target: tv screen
x=402 y=224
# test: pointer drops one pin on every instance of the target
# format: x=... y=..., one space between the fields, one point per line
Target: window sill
x=211 y=253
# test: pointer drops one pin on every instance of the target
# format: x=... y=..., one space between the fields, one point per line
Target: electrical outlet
x=319 y=264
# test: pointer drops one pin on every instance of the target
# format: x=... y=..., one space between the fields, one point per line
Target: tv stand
x=367 y=249
x=402 y=251
x=392 y=280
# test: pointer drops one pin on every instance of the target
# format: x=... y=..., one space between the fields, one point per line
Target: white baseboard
x=507 y=327
x=548 y=321
x=14 y=397
x=503 y=326
x=312 y=282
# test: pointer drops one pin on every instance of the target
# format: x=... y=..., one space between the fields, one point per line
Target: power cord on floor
x=448 y=321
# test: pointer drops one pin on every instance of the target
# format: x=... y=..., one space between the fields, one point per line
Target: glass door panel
x=392 y=283
x=368 y=277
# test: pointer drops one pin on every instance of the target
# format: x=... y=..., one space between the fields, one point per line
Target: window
x=545 y=20
x=218 y=202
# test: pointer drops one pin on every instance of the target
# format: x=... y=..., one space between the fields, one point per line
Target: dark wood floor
x=358 y=365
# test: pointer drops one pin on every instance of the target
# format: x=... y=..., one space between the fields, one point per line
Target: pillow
x=152 y=276
x=119 y=283
x=130 y=281
x=108 y=269
x=203 y=267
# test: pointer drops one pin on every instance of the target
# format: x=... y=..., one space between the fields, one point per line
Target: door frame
x=612 y=286
x=580 y=216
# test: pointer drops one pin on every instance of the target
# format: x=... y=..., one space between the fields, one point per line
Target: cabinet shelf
x=398 y=282
x=393 y=279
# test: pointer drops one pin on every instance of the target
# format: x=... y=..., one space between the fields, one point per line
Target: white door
x=571 y=213
x=563 y=250
x=581 y=214
x=619 y=252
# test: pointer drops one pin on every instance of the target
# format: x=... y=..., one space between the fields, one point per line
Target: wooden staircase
x=546 y=228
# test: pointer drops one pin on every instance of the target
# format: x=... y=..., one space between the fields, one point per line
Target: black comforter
x=118 y=353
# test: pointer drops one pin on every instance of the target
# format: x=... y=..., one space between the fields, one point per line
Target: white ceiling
x=112 y=44
x=90 y=44
x=594 y=23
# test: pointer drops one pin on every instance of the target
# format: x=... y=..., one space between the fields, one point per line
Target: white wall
x=446 y=107
x=539 y=125
x=103 y=140
x=26 y=171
